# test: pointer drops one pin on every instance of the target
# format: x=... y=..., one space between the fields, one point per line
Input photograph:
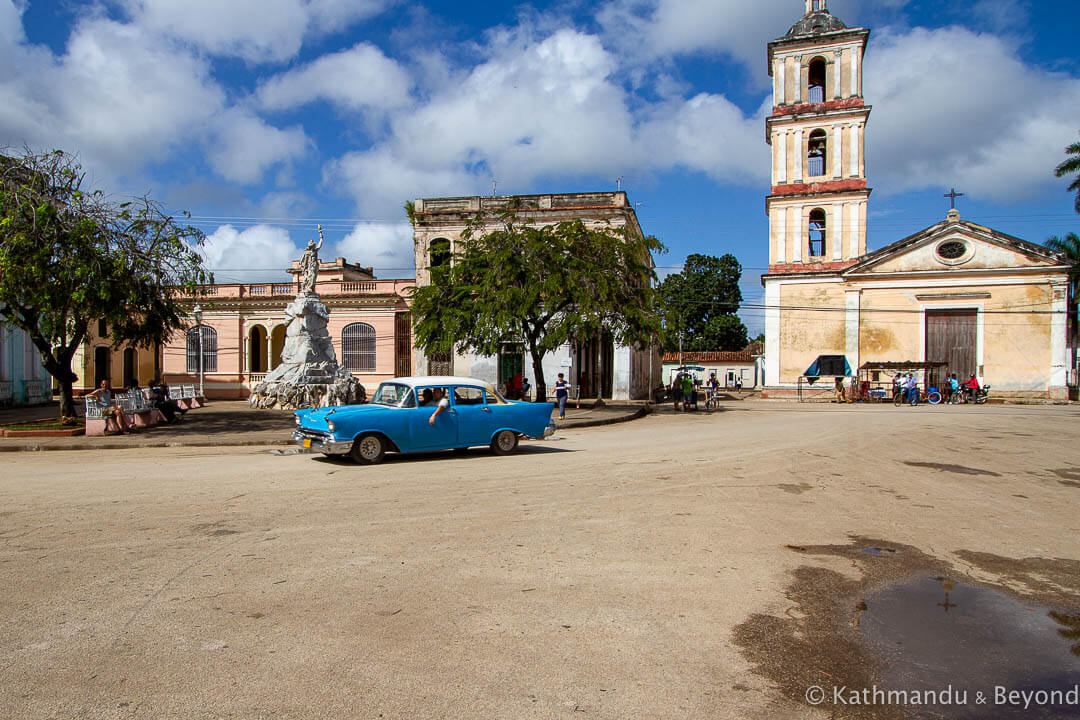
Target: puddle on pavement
x=879 y=551
x=934 y=633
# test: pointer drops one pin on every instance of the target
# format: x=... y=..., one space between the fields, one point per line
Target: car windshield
x=394 y=395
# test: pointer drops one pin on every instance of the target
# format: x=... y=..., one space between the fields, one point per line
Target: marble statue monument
x=309 y=374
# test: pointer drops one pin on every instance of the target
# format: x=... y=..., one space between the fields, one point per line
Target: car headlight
x=297 y=419
x=330 y=425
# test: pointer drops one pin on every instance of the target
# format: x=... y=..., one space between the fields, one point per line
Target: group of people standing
x=952 y=390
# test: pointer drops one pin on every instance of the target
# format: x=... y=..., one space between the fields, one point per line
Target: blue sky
x=263 y=117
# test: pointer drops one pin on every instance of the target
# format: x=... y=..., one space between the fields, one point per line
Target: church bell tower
x=817 y=206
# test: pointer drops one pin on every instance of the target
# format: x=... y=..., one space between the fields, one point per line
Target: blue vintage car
x=420 y=414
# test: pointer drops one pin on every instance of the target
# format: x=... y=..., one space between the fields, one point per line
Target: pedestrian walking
x=562 y=391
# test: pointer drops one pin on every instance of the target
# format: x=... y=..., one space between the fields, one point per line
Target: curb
x=640 y=412
x=160 y=444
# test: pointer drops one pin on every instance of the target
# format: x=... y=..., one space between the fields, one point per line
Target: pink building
x=243 y=330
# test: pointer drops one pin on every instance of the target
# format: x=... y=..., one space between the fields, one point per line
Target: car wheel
x=504 y=442
x=368 y=449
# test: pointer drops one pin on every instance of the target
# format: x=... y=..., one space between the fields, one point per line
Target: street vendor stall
x=877 y=379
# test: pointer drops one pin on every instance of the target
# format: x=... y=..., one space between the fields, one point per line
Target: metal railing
x=256 y=378
x=5 y=391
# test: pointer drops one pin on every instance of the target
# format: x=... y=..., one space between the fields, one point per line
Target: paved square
x=610 y=571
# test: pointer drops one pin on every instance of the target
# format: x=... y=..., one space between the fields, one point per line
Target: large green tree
x=542 y=285
x=1071 y=166
x=70 y=256
x=698 y=305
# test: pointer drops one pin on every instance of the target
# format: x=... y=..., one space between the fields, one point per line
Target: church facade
x=980 y=301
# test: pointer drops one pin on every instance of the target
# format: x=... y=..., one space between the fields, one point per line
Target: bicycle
x=932 y=397
x=712 y=400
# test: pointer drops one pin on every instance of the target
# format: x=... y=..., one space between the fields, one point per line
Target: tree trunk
x=67 y=400
x=538 y=370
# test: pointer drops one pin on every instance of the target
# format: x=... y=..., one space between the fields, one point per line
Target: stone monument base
x=292 y=386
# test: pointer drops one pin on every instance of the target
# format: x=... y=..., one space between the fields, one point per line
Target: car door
x=433 y=436
x=473 y=416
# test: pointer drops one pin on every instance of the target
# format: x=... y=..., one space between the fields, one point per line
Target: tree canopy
x=69 y=256
x=699 y=304
x=542 y=285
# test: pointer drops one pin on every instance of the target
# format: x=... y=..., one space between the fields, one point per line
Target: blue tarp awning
x=835 y=365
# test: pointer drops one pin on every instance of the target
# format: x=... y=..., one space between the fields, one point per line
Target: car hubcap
x=369 y=448
x=506 y=441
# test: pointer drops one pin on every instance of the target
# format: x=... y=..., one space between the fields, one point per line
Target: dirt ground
x=698 y=566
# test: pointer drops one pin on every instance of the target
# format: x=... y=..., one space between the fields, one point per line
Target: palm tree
x=1070 y=166
x=1068 y=248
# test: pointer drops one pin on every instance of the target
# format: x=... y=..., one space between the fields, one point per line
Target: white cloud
x=952 y=107
x=647 y=29
x=710 y=134
x=255 y=30
x=538 y=108
x=357 y=78
x=380 y=182
x=243 y=146
x=122 y=98
x=260 y=253
x=384 y=246
x=116 y=96
x=530 y=109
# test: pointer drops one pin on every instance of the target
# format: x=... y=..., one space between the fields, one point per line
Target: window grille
x=358 y=347
x=209 y=348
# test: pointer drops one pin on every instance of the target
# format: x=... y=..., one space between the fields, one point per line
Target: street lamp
x=197 y=311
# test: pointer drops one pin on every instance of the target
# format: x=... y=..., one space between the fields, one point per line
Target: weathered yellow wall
x=1016 y=348
x=805 y=334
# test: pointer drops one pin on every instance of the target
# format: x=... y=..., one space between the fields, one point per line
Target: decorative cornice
x=828 y=186
x=845 y=104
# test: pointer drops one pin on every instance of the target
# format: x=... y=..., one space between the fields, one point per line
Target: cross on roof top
x=952 y=198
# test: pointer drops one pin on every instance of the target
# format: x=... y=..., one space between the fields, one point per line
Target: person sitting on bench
x=110 y=408
x=159 y=398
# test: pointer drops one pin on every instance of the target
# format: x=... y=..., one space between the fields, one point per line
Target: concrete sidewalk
x=234 y=423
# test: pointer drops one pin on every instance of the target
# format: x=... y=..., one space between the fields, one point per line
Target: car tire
x=368 y=449
x=504 y=442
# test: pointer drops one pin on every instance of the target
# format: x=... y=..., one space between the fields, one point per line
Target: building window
x=358 y=347
x=209 y=349
x=952 y=250
x=439 y=252
x=815 y=81
x=102 y=329
x=817 y=232
x=816 y=153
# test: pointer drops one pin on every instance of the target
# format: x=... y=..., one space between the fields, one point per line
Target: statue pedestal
x=309 y=374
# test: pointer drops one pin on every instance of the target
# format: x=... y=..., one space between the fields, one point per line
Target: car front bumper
x=322 y=442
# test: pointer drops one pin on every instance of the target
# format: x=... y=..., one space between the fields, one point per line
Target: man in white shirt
x=442 y=403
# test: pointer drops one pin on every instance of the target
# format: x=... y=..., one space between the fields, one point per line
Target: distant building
x=23 y=380
x=596 y=367
x=730 y=367
x=973 y=298
x=243 y=333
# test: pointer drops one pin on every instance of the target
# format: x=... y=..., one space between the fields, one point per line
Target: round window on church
x=952 y=250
